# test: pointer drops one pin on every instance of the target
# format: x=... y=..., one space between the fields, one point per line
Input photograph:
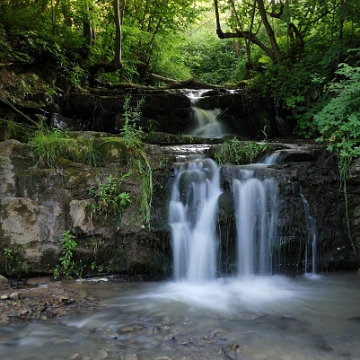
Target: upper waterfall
x=207 y=121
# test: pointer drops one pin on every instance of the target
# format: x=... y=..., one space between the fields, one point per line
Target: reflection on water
x=269 y=318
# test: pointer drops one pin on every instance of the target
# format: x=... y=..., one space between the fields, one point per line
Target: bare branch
x=7 y=103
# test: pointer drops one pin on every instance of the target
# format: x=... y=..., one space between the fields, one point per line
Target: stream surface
x=270 y=318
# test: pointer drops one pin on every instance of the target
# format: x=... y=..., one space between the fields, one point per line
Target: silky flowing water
x=269 y=317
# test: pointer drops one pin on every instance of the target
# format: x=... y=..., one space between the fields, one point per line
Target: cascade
x=310 y=244
x=207 y=121
x=193 y=214
x=256 y=222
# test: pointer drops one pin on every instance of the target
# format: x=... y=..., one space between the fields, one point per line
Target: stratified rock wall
x=167 y=110
x=37 y=205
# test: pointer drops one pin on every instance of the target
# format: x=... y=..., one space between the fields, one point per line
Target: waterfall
x=207 y=120
x=256 y=222
x=193 y=219
x=311 y=238
x=207 y=123
x=192 y=216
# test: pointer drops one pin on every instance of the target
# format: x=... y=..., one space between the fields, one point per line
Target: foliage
x=22 y=87
x=338 y=124
x=130 y=131
x=49 y=145
x=68 y=267
x=108 y=197
x=131 y=135
x=14 y=260
x=13 y=130
x=238 y=152
x=95 y=266
x=170 y=58
x=213 y=61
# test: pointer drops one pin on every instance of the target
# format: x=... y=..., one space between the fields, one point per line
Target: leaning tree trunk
x=269 y=30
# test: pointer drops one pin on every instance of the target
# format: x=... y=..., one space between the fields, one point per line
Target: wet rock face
x=37 y=205
x=309 y=175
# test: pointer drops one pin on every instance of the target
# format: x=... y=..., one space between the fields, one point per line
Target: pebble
x=102 y=354
x=129 y=357
x=15 y=296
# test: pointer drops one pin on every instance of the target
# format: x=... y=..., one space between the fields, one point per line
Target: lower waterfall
x=256 y=217
x=193 y=211
x=193 y=220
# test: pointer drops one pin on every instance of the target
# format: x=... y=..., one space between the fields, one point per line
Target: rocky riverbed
x=43 y=299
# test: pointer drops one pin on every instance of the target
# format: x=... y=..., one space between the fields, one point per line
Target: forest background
x=304 y=54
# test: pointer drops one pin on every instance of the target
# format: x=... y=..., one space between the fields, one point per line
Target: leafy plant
x=237 y=152
x=14 y=260
x=98 y=268
x=132 y=135
x=8 y=253
x=130 y=131
x=338 y=124
x=68 y=267
x=108 y=197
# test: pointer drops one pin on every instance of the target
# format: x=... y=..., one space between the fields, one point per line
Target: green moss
x=113 y=149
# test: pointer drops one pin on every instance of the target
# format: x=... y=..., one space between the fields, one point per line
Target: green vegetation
x=131 y=136
x=108 y=197
x=50 y=145
x=79 y=37
x=68 y=267
x=238 y=152
x=12 y=130
x=303 y=54
x=14 y=261
x=338 y=123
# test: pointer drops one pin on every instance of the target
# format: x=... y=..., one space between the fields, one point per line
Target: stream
x=257 y=317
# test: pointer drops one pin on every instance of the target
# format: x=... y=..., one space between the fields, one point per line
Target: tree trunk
x=117 y=62
x=269 y=30
x=247 y=35
x=88 y=30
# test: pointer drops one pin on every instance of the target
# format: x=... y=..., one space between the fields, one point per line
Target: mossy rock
x=113 y=150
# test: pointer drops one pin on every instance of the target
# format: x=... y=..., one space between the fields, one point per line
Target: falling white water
x=193 y=212
x=272 y=158
x=193 y=215
x=311 y=238
x=207 y=123
x=256 y=215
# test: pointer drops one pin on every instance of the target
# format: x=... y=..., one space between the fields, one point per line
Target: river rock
x=129 y=357
x=15 y=296
x=132 y=329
